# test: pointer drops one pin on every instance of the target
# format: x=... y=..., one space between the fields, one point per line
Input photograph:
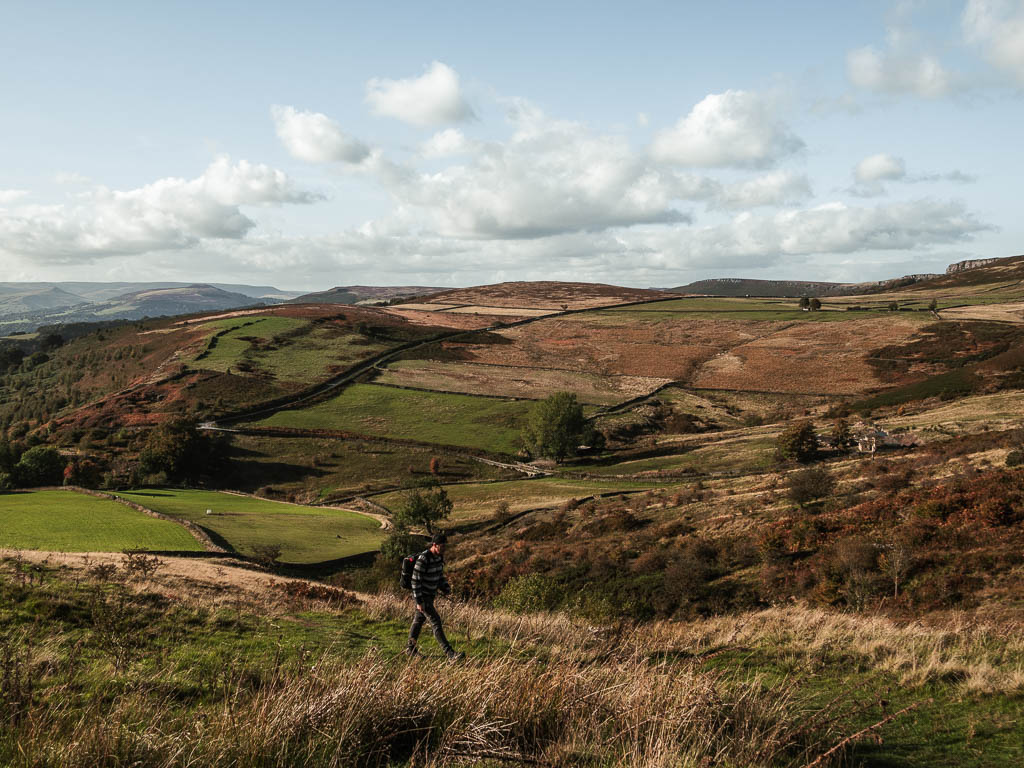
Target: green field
x=446 y=419
x=65 y=521
x=749 y=454
x=288 y=349
x=479 y=501
x=331 y=468
x=764 y=313
x=305 y=534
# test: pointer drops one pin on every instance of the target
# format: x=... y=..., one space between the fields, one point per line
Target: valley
x=687 y=538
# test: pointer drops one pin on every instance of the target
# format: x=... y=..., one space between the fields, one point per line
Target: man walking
x=427 y=579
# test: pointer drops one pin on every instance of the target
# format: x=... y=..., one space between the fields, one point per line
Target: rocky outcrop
x=963 y=266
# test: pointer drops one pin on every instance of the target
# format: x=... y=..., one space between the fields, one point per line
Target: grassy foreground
x=305 y=534
x=66 y=521
x=187 y=669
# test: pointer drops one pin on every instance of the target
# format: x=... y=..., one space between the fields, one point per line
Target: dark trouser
x=429 y=612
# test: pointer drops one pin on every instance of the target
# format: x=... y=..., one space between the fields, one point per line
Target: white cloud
x=450 y=141
x=735 y=128
x=167 y=214
x=550 y=177
x=997 y=27
x=11 y=195
x=777 y=188
x=433 y=98
x=651 y=255
x=315 y=138
x=880 y=167
x=897 y=73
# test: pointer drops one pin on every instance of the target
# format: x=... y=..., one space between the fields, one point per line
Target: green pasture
x=824 y=315
x=331 y=468
x=289 y=349
x=508 y=381
x=753 y=454
x=446 y=419
x=65 y=521
x=479 y=501
x=305 y=534
x=712 y=304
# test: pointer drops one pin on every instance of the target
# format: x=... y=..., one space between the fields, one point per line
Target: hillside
x=18 y=299
x=26 y=306
x=736 y=286
x=362 y=294
x=542 y=295
x=773 y=507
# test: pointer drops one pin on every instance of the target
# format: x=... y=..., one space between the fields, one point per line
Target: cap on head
x=439 y=538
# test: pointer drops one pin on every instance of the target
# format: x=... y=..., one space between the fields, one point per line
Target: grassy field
x=261 y=674
x=457 y=420
x=305 y=534
x=287 y=348
x=312 y=469
x=478 y=502
x=65 y=521
x=753 y=453
x=516 y=381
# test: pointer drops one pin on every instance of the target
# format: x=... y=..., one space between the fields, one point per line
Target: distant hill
x=17 y=300
x=363 y=294
x=738 y=286
x=977 y=272
x=149 y=302
x=545 y=294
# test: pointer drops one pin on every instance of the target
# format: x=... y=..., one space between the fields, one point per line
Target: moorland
x=787 y=531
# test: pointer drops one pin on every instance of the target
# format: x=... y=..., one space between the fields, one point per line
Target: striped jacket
x=428 y=576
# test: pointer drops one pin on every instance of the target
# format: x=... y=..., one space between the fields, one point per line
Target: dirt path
x=220 y=571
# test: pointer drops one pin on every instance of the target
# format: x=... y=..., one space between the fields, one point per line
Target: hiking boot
x=455 y=657
x=411 y=650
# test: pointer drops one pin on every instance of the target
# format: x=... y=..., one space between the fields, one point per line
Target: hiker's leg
x=435 y=622
x=417 y=624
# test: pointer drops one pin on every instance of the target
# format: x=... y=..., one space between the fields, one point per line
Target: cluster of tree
x=23 y=467
x=556 y=428
x=813 y=304
x=177 y=452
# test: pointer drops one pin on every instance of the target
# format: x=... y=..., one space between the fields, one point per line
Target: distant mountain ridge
x=148 y=301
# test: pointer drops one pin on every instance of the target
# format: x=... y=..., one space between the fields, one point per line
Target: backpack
x=408 y=566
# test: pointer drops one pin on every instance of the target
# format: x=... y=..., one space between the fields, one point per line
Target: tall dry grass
x=377 y=712
x=982 y=658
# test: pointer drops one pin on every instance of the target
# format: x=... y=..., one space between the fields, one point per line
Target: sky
x=312 y=144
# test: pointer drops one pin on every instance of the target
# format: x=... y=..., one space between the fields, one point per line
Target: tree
x=933 y=305
x=798 y=442
x=180 y=451
x=805 y=303
x=424 y=506
x=893 y=306
x=556 y=427
x=51 y=341
x=841 y=434
x=41 y=465
x=815 y=304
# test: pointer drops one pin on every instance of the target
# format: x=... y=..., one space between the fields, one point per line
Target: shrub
x=809 y=484
x=532 y=592
x=1015 y=457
